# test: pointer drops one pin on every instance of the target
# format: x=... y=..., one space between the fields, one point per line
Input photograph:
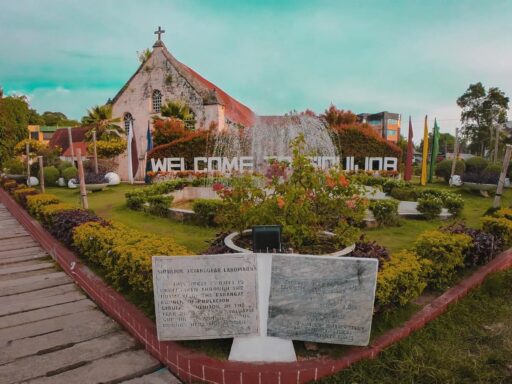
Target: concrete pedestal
x=262 y=348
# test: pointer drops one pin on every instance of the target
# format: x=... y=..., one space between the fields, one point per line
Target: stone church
x=161 y=78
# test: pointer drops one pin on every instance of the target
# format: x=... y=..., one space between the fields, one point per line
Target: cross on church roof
x=159 y=33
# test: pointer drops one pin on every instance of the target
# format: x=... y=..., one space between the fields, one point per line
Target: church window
x=127 y=119
x=157 y=101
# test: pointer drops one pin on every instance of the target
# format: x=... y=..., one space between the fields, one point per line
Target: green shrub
x=476 y=164
x=391 y=184
x=206 y=210
x=491 y=174
x=499 y=227
x=401 y=279
x=404 y=194
x=14 y=167
x=36 y=202
x=46 y=212
x=70 y=173
x=444 y=169
x=124 y=253
x=135 y=199
x=385 y=211
x=446 y=251
x=64 y=164
x=159 y=204
x=51 y=175
x=454 y=203
x=430 y=207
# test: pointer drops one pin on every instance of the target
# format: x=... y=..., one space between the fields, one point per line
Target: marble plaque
x=205 y=297
x=322 y=299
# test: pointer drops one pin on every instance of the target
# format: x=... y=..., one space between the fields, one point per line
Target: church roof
x=235 y=111
x=61 y=139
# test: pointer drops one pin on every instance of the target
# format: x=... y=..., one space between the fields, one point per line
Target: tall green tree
x=482 y=111
x=14 y=118
x=57 y=118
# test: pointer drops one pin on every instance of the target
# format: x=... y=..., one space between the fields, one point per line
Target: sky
x=407 y=56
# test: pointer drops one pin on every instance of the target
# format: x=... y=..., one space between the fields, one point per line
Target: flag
x=425 y=154
x=410 y=154
x=147 y=179
x=129 y=145
x=434 y=152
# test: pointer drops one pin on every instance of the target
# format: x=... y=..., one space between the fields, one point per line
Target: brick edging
x=190 y=365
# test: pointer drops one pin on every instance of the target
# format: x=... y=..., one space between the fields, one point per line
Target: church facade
x=162 y=78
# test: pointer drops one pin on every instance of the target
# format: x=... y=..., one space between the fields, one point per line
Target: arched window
x=157 y=100
x=127 y=119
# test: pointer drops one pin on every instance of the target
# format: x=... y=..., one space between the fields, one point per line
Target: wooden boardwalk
x=50 y=332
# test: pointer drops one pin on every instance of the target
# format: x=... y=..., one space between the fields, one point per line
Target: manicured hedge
x=385 y=211
x=36 y=202
x=363 y=141
x=206 y=210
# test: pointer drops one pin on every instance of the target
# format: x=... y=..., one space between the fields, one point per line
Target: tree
x=57 y=118
x=336 y=117
x=143 y=56
x=100 y=119
x=14 y=118
x=482 y=111
x=178 y=110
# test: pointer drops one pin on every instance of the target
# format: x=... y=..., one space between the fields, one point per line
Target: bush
x=108 y=148
x=391 y=184
x=430 y=207
x=504 y=212
x=454 y=203
x=63 y=223
x=14 y=167
x=46 y=212
x=94 y=178
x=135 y=199
x=70 y=173
x=444 y=169
x=500 y=228
x=446 y=251
x=485 y=246
x=159 y=204
x=138 y=198
x=124 y=253
x=371 y=250
x=476 y=164
x=404 y=194
x=491 y=174
x=206 y=210
x=36 y=202
x=63 y=165
x=9 y=185
x=20 y=194
x=51 y=175
x=385 y=211
x=402 y=279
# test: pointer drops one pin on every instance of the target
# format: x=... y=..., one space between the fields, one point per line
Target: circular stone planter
x=479 y=186
x=228 y=241
x=96 y=187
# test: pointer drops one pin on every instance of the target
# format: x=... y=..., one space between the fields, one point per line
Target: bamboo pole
x=95 y=152
x=27 y=150
x=41 y=173
x=70 y=137
x=501 y=182
x=455 y=152
x=83 y=191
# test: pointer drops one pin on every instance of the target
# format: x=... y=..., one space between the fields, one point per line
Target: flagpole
x=425 y=154
x=129 y=145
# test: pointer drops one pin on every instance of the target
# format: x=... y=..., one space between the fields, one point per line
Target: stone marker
x=205 y=297
x=322 y=299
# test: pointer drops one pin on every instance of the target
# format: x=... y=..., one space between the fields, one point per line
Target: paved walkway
x=50 y=332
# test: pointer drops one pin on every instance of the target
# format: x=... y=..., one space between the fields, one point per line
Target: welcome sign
x=247 y=163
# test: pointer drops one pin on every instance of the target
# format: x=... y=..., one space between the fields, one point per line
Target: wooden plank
x=20 y=259
x=22 y=275
x=17 y=307
x=20 y=243
x=30 y=279
x=47 y=326
x=25 y=268
x=46 y=313
x=162 y=376
x=22 y=251
x=61 y=360
x=38 y=294
x=41 y=284
x=98 y=326
x=115 y=368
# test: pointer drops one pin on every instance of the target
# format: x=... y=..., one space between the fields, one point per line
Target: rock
x=33 y=181
x=113 y=178
x=61 y=182
x=72 y=183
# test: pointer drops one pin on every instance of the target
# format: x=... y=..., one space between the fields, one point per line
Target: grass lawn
x=470 y=343
x=396 y=238
x=111 y=204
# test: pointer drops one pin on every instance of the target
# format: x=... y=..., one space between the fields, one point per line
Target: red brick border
x=192 y=366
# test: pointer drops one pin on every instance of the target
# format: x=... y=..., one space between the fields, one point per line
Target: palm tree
x=100 y=119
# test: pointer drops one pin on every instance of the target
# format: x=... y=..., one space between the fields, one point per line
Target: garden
x=319 y=213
